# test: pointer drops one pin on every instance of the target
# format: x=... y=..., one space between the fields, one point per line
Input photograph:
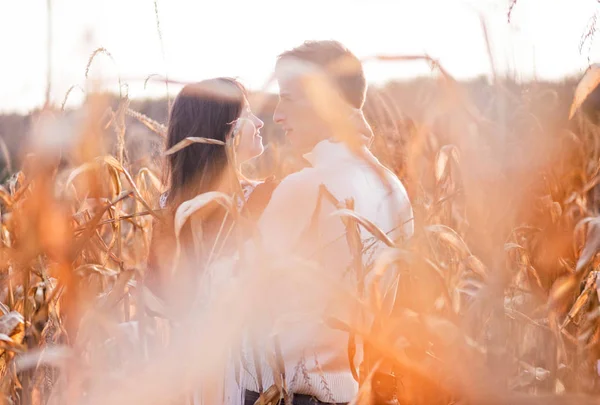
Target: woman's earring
x=236 y=127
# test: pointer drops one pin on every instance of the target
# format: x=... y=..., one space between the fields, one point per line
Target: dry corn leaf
x=510 y=246
x=271 y=396
x=592 y=244
x=365 y=391
x=154 y=180
x=581 y=300
x=450 y=237
x=555 y=212
x=190 y=141
x=187 y=208
x=98 y=269
x=562 y=287
x=443 y=161
x=4 y=308
x=12 y=346
x=118 y=291
x=9 y=322
x=367 y=224
x=16 y=180
x=585 y=87
x=77 y=171
x=477 y=266
x=469 y=286
x=111 y=161
x=5 y=196
x=153 y=304
x=385 y=259
x=534 y=274
x=113 y=170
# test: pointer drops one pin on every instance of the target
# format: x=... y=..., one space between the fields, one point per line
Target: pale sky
x=241 y=38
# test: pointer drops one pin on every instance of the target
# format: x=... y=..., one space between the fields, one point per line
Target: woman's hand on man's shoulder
x=261 y=195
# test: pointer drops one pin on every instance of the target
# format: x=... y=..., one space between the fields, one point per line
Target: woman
x=216 y=109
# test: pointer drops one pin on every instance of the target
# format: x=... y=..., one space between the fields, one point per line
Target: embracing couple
x=322 y=91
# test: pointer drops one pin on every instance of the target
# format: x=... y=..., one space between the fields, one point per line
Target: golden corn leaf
x=477 y=266
x=144 y=171
x=365 y=392
x=77 y=171
x=97 y=269
x=556 y=212
x=581 y=300
x=119 y=289
x=187 y=208
x=510 y=246
x=16 y=182
x=561 y=287
x=450 y=237
x=5 y=196
x=469 y=286
x=592 y=244
x=367 y=224
x=9 y=344
x=9 y=322
x=385 y=259
x=190 y=141
x=116 y=178
x=442 y=160
x=585 y=87
x=271 y=396
x=111 y=161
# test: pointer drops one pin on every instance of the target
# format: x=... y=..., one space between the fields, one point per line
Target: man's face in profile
x=297 y=110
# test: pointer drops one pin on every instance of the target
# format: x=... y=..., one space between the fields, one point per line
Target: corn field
x=497 y=301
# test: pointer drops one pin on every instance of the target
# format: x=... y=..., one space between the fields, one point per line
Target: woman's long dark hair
x=206 y=110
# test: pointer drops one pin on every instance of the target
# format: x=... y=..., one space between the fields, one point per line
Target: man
x=322 y=91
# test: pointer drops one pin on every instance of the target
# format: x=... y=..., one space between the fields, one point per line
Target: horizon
x=273 y=92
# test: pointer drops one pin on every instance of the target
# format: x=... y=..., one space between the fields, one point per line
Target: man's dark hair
x=341 y=65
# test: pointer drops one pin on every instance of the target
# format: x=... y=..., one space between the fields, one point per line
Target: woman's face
x=249 y=144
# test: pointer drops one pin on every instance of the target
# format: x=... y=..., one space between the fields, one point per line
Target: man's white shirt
x=315 y=355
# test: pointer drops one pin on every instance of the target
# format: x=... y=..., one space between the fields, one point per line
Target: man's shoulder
x=299 y=186
x=391 y=181
x=305 y=177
